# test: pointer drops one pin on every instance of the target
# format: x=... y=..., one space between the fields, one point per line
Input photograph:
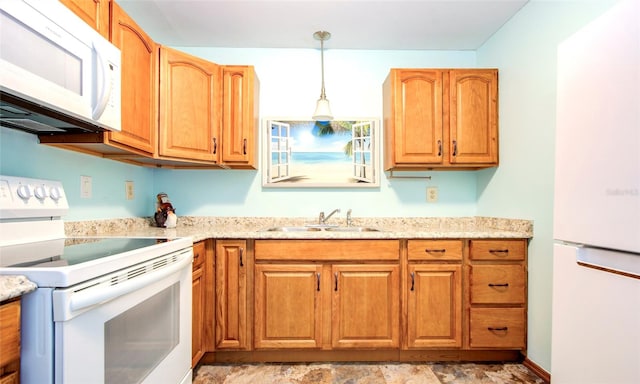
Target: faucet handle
x=321 y=218
x=349 y=218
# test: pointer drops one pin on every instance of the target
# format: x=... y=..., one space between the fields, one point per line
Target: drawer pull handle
x=505 y=251
x=435 y=250
x=413 y=280
x=335 y=275
x=498 y=328
x=318 y=281
x=498 y=285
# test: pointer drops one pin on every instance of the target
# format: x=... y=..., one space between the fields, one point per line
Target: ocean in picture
x=321 y=157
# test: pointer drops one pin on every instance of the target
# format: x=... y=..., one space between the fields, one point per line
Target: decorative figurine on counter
x=165 y=215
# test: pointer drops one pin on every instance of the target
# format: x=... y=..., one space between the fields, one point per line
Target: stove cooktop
x=68 y=261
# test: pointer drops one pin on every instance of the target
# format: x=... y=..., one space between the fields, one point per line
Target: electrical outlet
x=128 y=189
x=432 y=194
x=85 y=187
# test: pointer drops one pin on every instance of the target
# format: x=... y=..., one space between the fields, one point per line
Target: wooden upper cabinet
x=239 y=116
x=473 y=116
x=93 y=12
x=415 y=122
x=139 y=85
x=189 y=105
x=440 y=118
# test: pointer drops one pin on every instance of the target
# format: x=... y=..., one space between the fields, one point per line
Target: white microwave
x=53 y=63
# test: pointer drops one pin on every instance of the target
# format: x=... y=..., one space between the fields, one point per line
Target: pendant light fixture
x=323 y=112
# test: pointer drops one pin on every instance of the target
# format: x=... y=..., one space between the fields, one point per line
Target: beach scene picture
x=314 y=153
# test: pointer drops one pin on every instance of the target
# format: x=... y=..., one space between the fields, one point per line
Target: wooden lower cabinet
x=497 y=278
x=434 y=306
x=303 y=303
x=365 y=306
x=10 y=342
x=370 y=300
x=198 y=297
x=233 y=263
x=288 y=306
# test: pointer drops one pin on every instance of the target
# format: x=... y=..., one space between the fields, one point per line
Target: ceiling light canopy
x=323 y=112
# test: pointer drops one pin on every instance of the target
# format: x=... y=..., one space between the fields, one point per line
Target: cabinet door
x=288 y=306
x=94 y=12
x=198 y=302
x=417 y=116
x=434 y=306
x=232 y=264
x=239 y=116
x=139 y=84
x=366 y=306
x=197 y=324
x=189 y=105
x=473 y=116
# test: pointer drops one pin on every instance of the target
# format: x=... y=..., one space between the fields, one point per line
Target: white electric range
x=107 y=309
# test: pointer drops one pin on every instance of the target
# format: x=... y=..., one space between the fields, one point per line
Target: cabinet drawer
x=199 y=252
x=497 y=249
x=9 y=332
x=324 y=250
x=497 y=328
x=434 y=249
x=497 y=284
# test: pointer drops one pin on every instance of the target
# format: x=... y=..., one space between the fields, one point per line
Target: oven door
x=132 y=326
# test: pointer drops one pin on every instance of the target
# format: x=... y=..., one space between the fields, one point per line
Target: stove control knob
x=24 y=192
x=40 y=192
x=55 y=194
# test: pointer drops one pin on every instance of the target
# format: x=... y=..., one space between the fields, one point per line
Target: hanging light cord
x=322 y=94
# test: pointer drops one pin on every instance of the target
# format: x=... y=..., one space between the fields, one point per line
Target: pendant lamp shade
x=323 y=111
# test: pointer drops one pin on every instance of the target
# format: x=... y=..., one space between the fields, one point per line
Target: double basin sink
x=318 y=228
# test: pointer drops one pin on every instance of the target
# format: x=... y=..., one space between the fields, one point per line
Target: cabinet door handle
x=413 y=280
x=498 y=328
x=215 y=145
x=498 y=285
x=439 y=148
x=244 y=147
x=241 y=254
x=455 y=148
x=335 y=287
x=318 y=282
x=435 y=250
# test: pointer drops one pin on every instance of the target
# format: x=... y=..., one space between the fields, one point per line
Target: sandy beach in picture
x=321 y=173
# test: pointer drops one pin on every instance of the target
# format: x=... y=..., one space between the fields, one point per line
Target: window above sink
x=305 y=153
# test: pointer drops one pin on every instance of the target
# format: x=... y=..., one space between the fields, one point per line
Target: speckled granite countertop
x=200 y=228
x=14 y=286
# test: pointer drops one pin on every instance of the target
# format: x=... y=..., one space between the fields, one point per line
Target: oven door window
x=137 y=340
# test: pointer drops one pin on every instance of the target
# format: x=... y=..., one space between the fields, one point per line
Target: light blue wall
x=289 y=87
x=21 y=155
x=522 y=187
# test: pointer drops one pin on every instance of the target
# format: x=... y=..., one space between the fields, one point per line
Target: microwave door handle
x=68 y=304
x=103 y=85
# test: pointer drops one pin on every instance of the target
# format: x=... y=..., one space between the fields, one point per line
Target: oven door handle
x=69 y=303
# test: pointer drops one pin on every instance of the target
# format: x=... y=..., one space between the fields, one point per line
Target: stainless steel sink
x=294 y=229
x=352 y=229
x=321 y=228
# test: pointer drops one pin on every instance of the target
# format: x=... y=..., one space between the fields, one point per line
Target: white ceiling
x=353 y=24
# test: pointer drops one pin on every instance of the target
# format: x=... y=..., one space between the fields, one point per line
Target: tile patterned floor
x=350 y=373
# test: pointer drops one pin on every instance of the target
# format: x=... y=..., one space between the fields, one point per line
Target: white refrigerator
x=596 y=258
